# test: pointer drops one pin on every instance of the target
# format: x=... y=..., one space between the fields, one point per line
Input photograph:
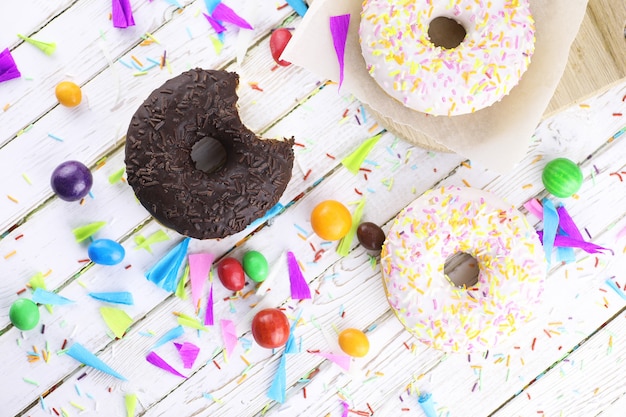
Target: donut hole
x=208 y=155
x=461 y=269
x=446 y=33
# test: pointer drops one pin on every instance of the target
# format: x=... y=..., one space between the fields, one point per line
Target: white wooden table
x=569 y=361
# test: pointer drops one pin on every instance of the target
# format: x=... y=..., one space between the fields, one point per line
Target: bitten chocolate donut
x=195 y=105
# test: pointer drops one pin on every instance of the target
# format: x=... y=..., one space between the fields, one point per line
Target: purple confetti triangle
x=567 y=225
x=159 y=362
x=217 y=26
x=339 y=31
x=209 y=317
x=225 y=14
x=229 y=333
x=122 y=14
x=346 y=408
x=188 y=353
x=299 y=288
x=8 y=69
x=562 y=241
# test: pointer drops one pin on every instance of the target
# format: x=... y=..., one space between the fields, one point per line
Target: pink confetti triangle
x=299 y=287
x=209 y=319
x=230 y=335
x=225 y=14
x=122 y=14
x=8 y=69
x=159 y=362
x=217 y=26
x=199 y=267
x=339 y=31
x=188 y=353
x=342 y=360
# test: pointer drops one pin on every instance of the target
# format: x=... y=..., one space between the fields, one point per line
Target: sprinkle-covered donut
x=195 y=105
x=512 y=269
x=482 y=69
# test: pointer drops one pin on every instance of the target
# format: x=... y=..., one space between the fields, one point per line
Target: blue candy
x=106 y=252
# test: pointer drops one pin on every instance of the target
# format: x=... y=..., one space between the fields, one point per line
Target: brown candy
x=370 y=235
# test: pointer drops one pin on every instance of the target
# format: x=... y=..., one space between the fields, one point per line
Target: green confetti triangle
x=117 y=320
x=180 y=289
x=85 y=232
x=116 y=176
x=47 y=48
x=217 y=44
x=130 y=401
x=37 y=281
x=344 y=246
x=354 y=161
x=156 y=237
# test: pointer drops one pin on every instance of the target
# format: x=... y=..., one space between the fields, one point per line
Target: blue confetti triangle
x=278 y=390
x=41 y=296
x=165 y=273
x=175 y=333
x=78 y=352
x=122 y=297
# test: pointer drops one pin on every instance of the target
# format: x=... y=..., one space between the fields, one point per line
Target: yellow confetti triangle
x=47 y=48
x=145 y=242
x=188 y=321
x=130 y=400
x=354 y=161
x=117 y=320
x=180 y=289
x=217 y=44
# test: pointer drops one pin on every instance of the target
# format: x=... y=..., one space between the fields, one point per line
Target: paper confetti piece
x=85 y=232
x=565 y=241
x=130 y=402
x=188 y=353
x=223 y=13
x=175 y=333
x=78 y=352
x=299 y=287
x=615 y=288
x=346 y=242
x=165 y=273
x=117 y=320
x=550 y=225
x=211 y=5
x=119 y=297
x=159 y=362
x=426 y=403
x=278 y=389
x=299 y=6
x=229 y=334
x=182 y=282
x=192 y=322
x=290 y=346
x=218 y=45
x=117 y=176
x=41 y=296
x=339 y=31
x=145 y=242
x=342 y=360
x=122 y=14
x=346 y=409
x=199 y=267
x=47 y=48
x=209 y=319
x=354 y=161
x=217 y=26
x=8 y=68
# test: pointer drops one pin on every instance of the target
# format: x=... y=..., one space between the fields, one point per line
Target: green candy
x=255 y=265
x=562 y=177
x=24 y=314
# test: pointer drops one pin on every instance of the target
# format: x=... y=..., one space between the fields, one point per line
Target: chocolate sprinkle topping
x=195 y=105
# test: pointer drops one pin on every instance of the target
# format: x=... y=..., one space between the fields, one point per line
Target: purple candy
x=71 y=180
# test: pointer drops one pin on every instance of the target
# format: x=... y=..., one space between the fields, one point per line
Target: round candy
x=562 y=177
x=370 y=235
x=24 y=314
x=331 y=220
x=270 y=328
x=68 y=93
x=71 y=180
x=230 y=272
x=278 y=41
x=106 y=252
x=255 y=265
x=354 y=343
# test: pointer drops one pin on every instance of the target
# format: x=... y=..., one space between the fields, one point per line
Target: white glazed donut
x=488 y=63
x=511 y=262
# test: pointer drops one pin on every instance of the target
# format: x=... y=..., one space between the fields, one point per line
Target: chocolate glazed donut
x=195 y=105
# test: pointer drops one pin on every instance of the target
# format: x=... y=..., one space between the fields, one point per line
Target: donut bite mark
x=195 y=106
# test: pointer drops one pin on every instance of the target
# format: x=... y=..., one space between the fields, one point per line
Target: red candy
x=230 y=273
x=278 y=41
x=270 y=328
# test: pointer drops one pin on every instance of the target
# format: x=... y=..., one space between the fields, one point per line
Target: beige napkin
x=496 y=137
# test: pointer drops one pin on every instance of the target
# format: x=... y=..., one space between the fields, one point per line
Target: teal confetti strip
x=165 y=273
x=550 y=226
x=426 y=403
x=121 y=297
x=41 y=296
x=78 y=352
x=298 y=5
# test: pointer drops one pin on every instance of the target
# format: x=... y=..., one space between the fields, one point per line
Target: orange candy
x=331 y=220
x=354 y=343
x=68 y=93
